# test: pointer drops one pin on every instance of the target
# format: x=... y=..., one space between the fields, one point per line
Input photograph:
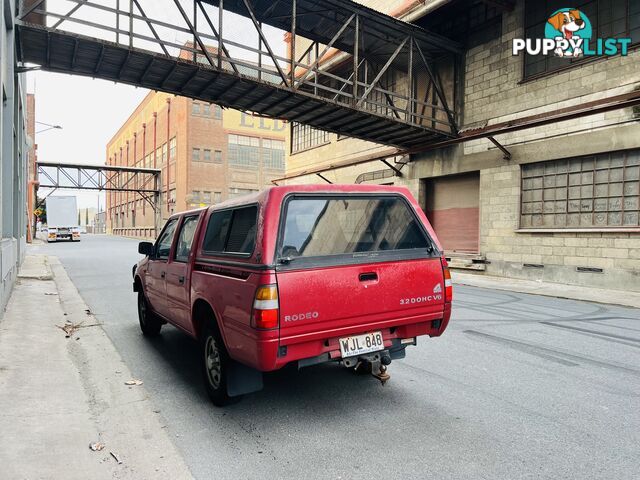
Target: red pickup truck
x=296 y=274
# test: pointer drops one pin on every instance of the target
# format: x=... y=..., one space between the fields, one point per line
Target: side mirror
x=146 y=248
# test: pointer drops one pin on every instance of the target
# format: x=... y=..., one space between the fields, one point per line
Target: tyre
x=150 y=324
x=215 y=368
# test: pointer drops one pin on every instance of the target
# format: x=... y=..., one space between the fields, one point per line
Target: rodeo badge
x=568 y=33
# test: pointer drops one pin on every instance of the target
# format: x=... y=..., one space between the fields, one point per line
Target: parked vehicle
x=62 y=219
x=296 y=274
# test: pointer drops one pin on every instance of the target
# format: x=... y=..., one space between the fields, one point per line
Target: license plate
x=359 y=344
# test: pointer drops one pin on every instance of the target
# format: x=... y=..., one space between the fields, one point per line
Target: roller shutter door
x=453 y=208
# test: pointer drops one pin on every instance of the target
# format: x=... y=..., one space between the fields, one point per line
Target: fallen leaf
x=96 y=446
x=133 y=381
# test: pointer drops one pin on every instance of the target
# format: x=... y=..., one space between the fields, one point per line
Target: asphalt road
x=519 y=386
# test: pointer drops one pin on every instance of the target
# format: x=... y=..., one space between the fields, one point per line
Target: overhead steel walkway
x=353 y=71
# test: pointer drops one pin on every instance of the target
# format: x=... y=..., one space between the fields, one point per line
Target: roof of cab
x=282 y=190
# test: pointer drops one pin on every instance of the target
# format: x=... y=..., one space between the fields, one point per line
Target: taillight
x=265 y=307
x=448 y=286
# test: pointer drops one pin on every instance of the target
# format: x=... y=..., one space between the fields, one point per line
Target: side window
x=185 y=239
x=163 y=246
x=232 y=231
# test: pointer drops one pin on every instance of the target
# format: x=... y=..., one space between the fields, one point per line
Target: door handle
x=162 y=275
x=181 y=280
x=368 y=277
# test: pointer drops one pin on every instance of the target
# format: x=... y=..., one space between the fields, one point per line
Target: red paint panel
x=456 y=228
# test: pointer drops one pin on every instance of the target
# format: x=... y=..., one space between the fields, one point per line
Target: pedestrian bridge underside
x=352 y=71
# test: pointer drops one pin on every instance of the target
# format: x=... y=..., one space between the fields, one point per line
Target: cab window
x=163 y=246
x=185 y=239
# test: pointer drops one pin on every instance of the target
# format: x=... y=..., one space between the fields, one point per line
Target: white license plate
x=359 y=344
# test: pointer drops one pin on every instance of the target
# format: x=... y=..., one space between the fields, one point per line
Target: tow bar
x=377 y=363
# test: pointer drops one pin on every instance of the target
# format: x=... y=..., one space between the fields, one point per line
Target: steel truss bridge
x=142 y=181
x=353 y=71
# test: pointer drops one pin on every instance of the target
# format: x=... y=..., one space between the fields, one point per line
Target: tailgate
x=328 y=299
x=347 y=260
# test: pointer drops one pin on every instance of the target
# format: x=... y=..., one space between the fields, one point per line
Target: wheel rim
x=213 y=364
x=142 y=308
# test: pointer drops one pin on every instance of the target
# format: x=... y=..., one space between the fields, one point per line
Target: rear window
x=231 y=231
x=316 y=227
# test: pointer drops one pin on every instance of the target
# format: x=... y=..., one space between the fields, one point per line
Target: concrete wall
x=13 y=155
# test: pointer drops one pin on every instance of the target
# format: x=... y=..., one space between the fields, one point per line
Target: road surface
x=519 y=386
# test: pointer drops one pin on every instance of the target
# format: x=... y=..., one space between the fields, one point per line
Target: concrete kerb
x=557 y=290
x=69 y=392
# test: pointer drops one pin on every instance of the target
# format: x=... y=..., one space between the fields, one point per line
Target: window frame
x=185 y=219
x=156 y=256
x=210 y=253
x=303 y=263
x=581 y=228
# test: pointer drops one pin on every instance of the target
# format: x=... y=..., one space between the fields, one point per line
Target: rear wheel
x=215 y=368
x=150 y=324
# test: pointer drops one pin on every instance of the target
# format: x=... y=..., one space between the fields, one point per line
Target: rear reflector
x=265 y=307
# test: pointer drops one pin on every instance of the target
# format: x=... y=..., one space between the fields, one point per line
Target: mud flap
x=242 y=379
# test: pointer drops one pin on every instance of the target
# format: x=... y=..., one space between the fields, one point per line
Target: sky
x=90 y=110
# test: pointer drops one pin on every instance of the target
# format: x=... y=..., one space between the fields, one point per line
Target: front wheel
x=150 y=324
x=215 y=368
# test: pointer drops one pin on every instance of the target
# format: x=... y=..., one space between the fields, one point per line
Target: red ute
x=304 y=274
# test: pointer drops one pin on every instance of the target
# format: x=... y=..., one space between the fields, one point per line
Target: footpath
x=65 y=409
x=558 y=290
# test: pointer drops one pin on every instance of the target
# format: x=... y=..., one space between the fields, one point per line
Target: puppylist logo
x=568 y=33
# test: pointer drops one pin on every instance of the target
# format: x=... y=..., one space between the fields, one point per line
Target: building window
x=304 y=137
x=207 y=155
x=236 y=192
x=206 y=109
x=206 y=198
x=172 y=149
x=273 y=154
x=164 y=154
x=195 y=154
x=609 y=18
x=217 y=156
x=195 y=197
x=244 y=151
x=600 y=191
x=159 y=155
x=217 y=197
x=217 y=112
x=195 y=108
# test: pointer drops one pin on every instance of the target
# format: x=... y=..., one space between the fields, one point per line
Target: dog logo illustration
x=570 y=28
x=437 y=288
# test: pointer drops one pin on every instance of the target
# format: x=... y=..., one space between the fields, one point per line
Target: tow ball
x=381 y=369
x=374 y=364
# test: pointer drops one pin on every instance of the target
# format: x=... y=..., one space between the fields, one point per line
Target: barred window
x=217 y=156
x=304 y=137
x=601 y=191
x=207 y=155
x=195 y=154
x=206 y=109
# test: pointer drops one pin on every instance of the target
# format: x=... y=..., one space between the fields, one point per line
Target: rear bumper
x=272 y=353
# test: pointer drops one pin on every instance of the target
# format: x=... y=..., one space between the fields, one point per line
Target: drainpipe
x=135 y=156
x=126 y=207
x=144 y=156
x=168 y=169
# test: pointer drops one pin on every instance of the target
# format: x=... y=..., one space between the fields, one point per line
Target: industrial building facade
x=561 y=203
x=206 y=155
x=15 y=147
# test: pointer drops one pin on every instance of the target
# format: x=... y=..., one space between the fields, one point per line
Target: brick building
x=206 y=155
x=565 y=207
